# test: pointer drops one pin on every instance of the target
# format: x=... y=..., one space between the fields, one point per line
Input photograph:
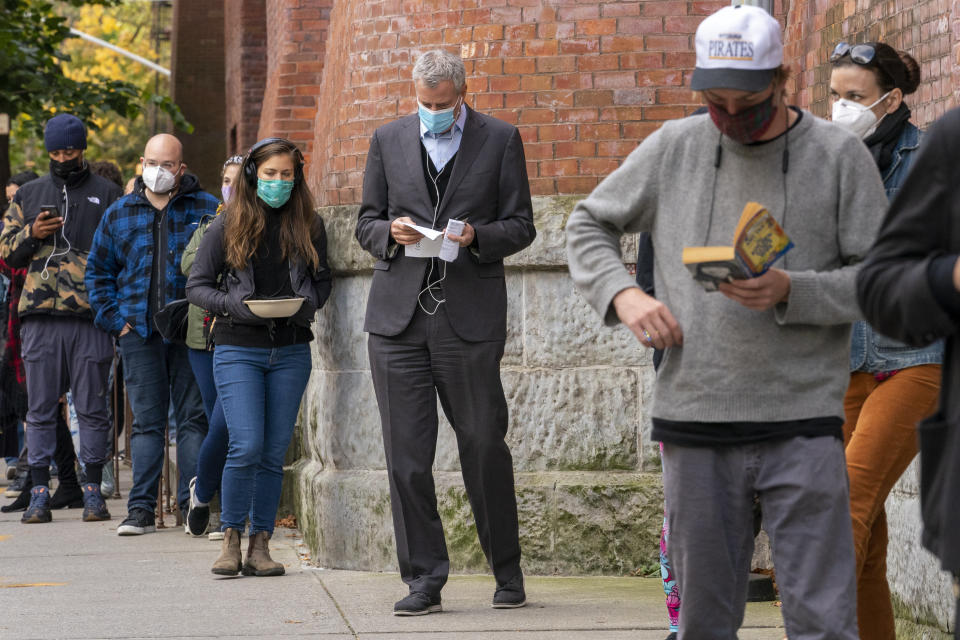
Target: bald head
x=163 y=150
x=166 y=145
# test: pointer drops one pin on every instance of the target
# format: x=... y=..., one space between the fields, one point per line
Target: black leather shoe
x=417 y=604
x=510 y=595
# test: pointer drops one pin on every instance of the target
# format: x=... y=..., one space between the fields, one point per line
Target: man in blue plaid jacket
x=133 y=271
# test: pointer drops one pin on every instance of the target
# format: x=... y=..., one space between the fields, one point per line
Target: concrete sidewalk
x=70 y=579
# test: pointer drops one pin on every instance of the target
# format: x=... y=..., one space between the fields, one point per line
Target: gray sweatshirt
x=788 y=363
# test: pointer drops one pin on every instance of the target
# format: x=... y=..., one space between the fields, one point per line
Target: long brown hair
x=245 y=218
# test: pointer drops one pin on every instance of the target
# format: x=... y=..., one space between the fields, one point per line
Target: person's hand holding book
x=760 y=293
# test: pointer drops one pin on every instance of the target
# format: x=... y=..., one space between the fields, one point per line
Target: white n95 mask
x=158 y=179
x=857 y=117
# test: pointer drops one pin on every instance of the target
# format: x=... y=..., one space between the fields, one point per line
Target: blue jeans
x=260 y=390
x=158 y=373
x=213 y=451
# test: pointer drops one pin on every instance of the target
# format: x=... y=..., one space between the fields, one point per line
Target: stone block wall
x=587 y=482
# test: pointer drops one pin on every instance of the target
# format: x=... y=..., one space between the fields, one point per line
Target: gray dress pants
x=410 y=371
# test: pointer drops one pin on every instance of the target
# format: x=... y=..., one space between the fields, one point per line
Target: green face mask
x=274 y=192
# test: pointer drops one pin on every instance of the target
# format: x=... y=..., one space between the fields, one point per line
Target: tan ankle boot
x=259 y=562
x=229 y=562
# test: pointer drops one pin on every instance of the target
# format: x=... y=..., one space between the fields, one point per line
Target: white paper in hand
x=428 y=246
x=450 y=249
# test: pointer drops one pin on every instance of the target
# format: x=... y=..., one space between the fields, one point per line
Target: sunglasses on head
x=859 y=53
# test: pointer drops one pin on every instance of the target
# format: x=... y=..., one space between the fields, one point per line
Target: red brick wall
x=584 y=82
x=296 y=44
x=921 y=27
x=245 y=61
x=197 y=85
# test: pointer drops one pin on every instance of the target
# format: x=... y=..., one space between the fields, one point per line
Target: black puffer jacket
x=906 y=291
x=227 y=300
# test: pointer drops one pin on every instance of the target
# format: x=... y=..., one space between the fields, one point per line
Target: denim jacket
x=870 y=351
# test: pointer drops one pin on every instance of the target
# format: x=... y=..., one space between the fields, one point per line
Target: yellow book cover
x=758 y=242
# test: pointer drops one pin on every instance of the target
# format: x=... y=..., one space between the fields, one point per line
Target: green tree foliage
x=38 y=77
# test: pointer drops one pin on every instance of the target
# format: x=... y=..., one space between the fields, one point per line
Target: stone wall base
x=589 y=523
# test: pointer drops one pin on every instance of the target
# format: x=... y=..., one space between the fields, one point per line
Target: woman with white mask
x=892 y=386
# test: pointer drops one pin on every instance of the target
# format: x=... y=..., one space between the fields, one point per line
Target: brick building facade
x=197 y=85
x=584 y=81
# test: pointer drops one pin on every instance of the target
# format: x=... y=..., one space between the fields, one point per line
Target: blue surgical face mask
x=274 y=192
x=436 y=121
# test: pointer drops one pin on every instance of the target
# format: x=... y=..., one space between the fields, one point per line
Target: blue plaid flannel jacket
x=121 y=258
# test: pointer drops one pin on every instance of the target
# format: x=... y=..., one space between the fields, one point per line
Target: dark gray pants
x=802 y=485
x=409 y=371
x=60 y=354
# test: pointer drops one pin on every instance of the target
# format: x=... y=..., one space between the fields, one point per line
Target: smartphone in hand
x=48 y=212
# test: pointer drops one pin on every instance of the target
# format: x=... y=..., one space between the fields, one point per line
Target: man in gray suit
x=438 y=327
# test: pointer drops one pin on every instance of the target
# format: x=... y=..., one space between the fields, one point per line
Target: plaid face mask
x=745 y=126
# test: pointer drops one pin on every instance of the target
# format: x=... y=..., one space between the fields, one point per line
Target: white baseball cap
x=737 y=48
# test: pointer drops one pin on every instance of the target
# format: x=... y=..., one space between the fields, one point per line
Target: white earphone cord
x=430 y=285
x=45 y=273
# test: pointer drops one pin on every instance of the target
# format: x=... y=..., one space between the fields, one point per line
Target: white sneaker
x=198 y=513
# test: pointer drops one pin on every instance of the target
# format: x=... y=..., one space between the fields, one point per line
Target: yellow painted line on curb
x=32 y=584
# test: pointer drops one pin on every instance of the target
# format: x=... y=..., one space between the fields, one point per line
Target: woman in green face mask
x=262 y=271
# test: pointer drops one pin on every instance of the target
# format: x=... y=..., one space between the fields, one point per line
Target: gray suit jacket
x=488 y=187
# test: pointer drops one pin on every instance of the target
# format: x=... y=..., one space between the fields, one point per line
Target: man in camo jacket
x=48 y=229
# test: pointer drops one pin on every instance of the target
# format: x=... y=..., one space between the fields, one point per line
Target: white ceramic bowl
x=281 y=308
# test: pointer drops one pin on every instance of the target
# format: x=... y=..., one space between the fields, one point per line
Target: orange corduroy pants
x=880 y=437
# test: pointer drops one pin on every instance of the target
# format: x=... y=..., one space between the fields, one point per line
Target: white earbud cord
x=436 y=211
x=45 y=273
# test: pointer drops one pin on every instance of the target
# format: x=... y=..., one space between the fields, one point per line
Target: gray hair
x=437 y=65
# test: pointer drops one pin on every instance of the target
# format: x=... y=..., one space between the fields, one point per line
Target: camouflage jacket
x=55 y=265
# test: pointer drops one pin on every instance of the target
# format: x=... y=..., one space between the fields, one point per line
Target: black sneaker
x=510 y=595
x=94 y=508
x=672 y=636
x=198 y=514
x=138 y=522
x=39 y=509
x=417 y=604
x=23 y=497
x=67 y=497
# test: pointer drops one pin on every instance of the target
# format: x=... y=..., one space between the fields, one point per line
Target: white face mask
x=857 y=117
x=158 y=179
